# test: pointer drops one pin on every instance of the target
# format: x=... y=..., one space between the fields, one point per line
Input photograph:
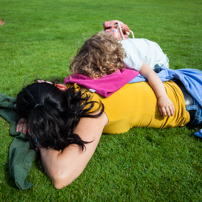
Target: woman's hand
x=166 y=106
x=22 y=126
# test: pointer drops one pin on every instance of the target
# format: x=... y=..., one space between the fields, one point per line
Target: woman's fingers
x=22 y=126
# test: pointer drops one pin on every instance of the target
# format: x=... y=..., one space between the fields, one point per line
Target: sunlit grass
x=38 y=40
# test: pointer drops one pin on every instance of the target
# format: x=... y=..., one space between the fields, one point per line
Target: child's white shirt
x=143 y=50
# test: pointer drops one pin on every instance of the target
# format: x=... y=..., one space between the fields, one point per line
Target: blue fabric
x=198 y=113
x=198 y=134
x=192 y=80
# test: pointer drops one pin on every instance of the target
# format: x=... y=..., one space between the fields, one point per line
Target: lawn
x=38 y=40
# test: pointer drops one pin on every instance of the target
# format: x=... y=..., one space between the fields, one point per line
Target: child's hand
x=166 y=106
x=22 y=126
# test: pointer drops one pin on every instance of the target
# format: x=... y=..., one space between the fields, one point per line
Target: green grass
x=37 y=41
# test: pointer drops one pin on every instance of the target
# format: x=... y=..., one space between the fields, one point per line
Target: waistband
x=188 y=99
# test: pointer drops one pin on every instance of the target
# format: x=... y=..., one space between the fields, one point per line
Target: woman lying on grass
x=65 y=123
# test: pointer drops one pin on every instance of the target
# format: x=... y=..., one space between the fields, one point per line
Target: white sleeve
x=134 y=58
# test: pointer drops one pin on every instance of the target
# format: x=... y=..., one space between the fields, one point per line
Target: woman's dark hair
x=53 y=114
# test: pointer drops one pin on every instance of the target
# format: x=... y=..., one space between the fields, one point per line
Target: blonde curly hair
x=99 y=56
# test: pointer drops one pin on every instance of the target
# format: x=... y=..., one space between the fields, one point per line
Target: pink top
x=104 y=86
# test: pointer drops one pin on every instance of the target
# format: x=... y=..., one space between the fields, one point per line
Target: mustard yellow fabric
x=135 y=105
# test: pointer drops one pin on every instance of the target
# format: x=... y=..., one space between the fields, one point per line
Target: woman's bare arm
x=65 y=166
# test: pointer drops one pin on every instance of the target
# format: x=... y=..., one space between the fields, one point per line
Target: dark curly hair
x=99 y=56
x=53 y=114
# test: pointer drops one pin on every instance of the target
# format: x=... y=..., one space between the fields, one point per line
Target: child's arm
x=165 y=105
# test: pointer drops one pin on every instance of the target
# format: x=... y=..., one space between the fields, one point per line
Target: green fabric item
x=21 y=155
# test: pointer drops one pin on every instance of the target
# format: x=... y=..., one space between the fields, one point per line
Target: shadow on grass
x=9 y=181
